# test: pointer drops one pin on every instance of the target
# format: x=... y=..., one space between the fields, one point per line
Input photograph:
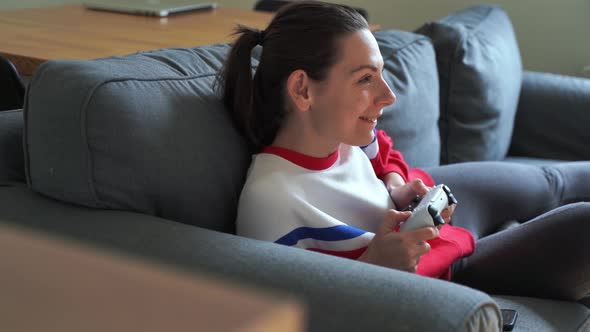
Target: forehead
x=359 y=48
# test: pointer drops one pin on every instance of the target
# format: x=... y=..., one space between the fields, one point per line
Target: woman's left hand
x=402 y=195
x=447 y=213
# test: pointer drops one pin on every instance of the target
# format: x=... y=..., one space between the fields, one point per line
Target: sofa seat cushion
x=546 y=315
x=410 y=71
x=143 y=132
x=480 y=74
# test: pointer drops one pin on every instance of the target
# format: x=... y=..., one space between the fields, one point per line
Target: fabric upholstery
x=546 y=315
x=12 y=87
x=11 y=146
x=410 y=71
x=143 y=132
x=480 y=74
x=552 y=118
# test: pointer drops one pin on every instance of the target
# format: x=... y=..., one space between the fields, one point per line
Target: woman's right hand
x=398 y=250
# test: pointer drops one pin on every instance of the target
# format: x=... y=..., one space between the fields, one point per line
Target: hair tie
x=260 y=34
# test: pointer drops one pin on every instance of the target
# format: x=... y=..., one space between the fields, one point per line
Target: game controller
x=426 y=210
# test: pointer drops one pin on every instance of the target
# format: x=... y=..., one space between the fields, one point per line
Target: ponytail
x=237 y=85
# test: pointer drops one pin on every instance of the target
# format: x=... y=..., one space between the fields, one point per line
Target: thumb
x=418 y=187
x=392 y=219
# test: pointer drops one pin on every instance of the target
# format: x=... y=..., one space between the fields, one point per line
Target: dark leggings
x=548 y=253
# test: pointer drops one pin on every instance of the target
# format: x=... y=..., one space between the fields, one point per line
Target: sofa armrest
x=552 y=118
x=338 y=294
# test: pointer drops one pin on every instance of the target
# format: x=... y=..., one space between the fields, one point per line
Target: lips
x=364 y=118
x=372 y=118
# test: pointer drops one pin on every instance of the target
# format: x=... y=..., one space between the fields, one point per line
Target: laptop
x=159 y=8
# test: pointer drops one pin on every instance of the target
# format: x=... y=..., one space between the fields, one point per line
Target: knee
x=555 y=182
x=571 y=180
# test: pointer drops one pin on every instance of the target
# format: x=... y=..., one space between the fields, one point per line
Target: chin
x=364 y=139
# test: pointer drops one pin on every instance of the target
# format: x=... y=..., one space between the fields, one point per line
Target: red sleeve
x=389 y=160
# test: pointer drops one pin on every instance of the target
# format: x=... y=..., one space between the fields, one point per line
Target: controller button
x=437 y=219
x=452 y=199
x=450 y=196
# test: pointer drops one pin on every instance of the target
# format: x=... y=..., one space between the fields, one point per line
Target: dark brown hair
x=302 y=35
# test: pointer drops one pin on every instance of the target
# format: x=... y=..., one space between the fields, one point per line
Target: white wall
x=552 y=34
x=17 y=4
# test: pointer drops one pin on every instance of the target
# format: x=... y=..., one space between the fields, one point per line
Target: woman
x=324 y=179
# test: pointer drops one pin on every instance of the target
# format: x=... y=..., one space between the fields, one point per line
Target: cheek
x=355 y=99
x=357 y=102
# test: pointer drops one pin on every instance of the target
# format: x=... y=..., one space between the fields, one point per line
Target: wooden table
x=29 y=37
x=48 y=284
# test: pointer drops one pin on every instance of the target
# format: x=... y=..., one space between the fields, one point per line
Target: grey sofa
x=135 y=154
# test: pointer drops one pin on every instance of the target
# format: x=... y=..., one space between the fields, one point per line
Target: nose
x=386 y=97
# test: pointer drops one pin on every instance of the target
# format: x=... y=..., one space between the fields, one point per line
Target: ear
x=298 y=90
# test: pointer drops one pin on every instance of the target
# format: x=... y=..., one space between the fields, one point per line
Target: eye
x=366 y=79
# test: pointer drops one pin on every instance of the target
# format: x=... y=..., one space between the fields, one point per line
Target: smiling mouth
x=368 y=119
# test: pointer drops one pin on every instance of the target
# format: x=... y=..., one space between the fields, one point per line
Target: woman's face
x=346 y=105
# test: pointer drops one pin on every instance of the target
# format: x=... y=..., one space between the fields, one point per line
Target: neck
x=297 y=136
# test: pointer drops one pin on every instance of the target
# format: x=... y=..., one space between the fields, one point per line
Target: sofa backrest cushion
x=12 y=167
x=412 y=121
x=143 y=132
x=480 y=74
x=552 y=118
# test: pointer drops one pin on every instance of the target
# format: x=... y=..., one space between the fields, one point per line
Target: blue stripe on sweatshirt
x=335 y=233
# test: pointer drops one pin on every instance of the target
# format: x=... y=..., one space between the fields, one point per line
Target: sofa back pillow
x=143 y=132
x=480 y=74
x=412 y=121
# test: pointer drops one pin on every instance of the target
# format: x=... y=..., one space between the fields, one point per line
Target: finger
x=447 y=213
x=418 y=187
x=411 y=265
x=422 y=234
x=424 y=247
x=451 y=208
x=421 y=248
x=446 y=216
x=392 y=219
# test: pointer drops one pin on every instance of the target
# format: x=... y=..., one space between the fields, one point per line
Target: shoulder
x=266 y=203
x=268 y=178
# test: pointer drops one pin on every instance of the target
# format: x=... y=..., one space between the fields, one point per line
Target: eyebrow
x=361 y=67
